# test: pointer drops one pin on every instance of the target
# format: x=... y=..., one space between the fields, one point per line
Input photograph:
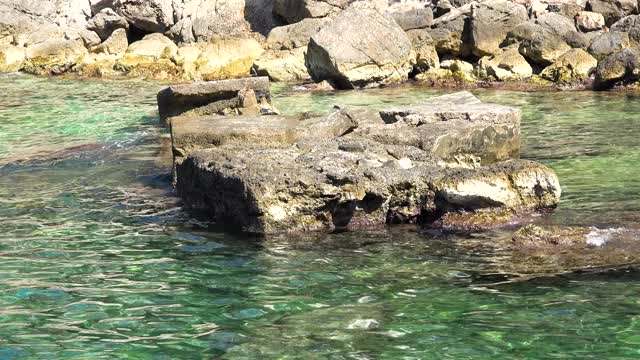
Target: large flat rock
x=354 y=168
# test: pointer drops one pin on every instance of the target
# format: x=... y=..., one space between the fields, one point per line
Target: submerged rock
x=354 y=169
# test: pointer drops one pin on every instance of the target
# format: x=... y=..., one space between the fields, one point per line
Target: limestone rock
x=360 y=47
x=11 y=58
x=293 y=11
x=295 y=35
x=152 y=47
x=538 y=44
x=54 y=56
x=608 y=43
x=589 y=21
x=613 y=10
x=573 y=66
x=491 y=22
x=228 y=57
x=107 y=21
x=211 y=97
x=202 y=20
x=116 y=44
x=451 y=33
x=508 y=65
x=556 y=23
x=619 y=68
x=148 y=15
x=631 y=25
x=282 y=65
x=426 y=53
x=413 y=18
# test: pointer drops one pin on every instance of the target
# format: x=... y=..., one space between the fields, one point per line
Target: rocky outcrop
x=451 y=32
x=619 y=68
x=356 y=168
x=630 y=25
x=508 y=65
x=426 y=53
x=293 y=11
x=360 y=47
x=11 y=58
x=608 y=43
x=106 y=22
x=54 y=56
x=537 y=43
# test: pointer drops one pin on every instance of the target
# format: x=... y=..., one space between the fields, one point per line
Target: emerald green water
x=98 y=260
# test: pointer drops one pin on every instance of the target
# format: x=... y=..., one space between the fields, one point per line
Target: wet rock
x=106 y=22
x=11 y=58
x=631 y=25
x=608 y=43
x=589 y=21
x=573 y=66
x=54 y=56
x=537 y=43
x=282 y=174
x=360 y=47
x=490 y=23
x=508 y=65
x=212 y=97
x=619 y=68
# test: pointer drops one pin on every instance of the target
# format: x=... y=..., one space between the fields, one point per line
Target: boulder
x=537 y=43
x=351 y=169
x=360 y=47
x=292 y=11
x=631 y=25
x=11 y=58
x=459 y=69
x=295 y=35
x=413 y=18
x=105 y=22
x=54 y=57
x=619 y=68
x=575 y=65
x=608 y=43
x=202 y=20
x=228 y=57
x=567 y=8
x=426 y=53
x=153 y=47
x=556 y=23
x=613 y=10
x=282 y=65
x=589 y=21
x=149 y=15
x=451 y=33
x=116 y=44
x=490 y=23
x=508 y=65
x=211 y=97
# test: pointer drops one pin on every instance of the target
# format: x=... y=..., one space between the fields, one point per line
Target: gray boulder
x=537 y=43
x=415 y=18
x=105 y=22
x=608 y=43
x=359 y=48
x=631 y=25
x=491 y=22
x=150 y=15
x=619 y=68
x=613 y=10
x=292 y=11
x=451 y=32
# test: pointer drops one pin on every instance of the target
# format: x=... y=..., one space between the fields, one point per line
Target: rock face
x=619 y=68
x=573 y=66
x=608 y=43
x=537 y=43
x=356 y=168
x=360 y=47
x=451 y=33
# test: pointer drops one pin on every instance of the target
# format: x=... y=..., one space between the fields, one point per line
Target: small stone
x=364 y=324
x=589 y=21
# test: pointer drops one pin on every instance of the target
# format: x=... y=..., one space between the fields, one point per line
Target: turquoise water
x=98 y=260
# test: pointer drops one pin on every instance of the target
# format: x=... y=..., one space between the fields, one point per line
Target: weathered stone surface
x=613 y=10
x=631 y=25
x=293 y=11
x=573 y=66
x=105 y=22
x=282 y=65
x=295 y=35
x=358 y=48
x=148 y=15
x=608 y=43
x=116 y=44
x=211 y=97
x=201 y=20
x=589 y=21
x=459 y=68
x=451 y=33
x=11 y=58
x=491 y=22
x=54 y=56
x=152 y=47
x=538 y=44
x=426 y=53
x=413 y=18
x=619 y=68
x=508 y=65
x=228 y=57
x=556 y=23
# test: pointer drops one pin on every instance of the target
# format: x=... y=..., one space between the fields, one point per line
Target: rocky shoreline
x=530 y=44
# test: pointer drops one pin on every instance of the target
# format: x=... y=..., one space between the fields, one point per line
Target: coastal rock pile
x=346 y=42
x=443 y=162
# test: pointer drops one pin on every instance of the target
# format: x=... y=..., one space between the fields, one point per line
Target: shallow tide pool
x=98 y=260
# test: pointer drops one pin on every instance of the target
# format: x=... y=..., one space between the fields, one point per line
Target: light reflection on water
x=97 y=260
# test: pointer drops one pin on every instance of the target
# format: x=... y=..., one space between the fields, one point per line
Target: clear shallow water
x=97 y=260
